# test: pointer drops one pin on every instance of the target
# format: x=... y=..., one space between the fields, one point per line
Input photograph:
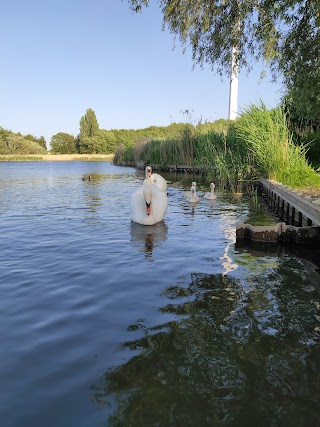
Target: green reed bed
x=217 y=154
x=151 y=152
x=124 y=154
x=266 y=135
x=89 y=159
x=226 y=161
x=171 y=152
x=13 y=158
x=179 y=151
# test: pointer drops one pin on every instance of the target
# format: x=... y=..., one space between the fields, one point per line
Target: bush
x=11 y=143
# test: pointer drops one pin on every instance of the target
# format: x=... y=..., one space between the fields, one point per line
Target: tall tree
x=89 y=126
x=268 y=29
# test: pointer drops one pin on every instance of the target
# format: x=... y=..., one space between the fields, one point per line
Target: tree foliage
x=301 y=68
x=41 y=141
x=89 y=126
x=15 y=143
x=63 y=143
x=102 y=143
x=260 y=29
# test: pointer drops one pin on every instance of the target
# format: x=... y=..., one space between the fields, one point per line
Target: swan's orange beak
x=148 y=208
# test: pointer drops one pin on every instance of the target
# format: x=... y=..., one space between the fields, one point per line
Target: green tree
x=12 y=143
x=89 y=126
x=63 y=143
x=302 y=71
x=30 y=137
x=270 y=30
x=42 y=142
x=90 y=145
x=108 y=141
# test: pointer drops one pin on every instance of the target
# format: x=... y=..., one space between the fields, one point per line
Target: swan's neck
x=147 y=194
x=148 y=179
x=148 y=175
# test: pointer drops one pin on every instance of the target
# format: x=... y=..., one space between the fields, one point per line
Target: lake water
x=108 y=323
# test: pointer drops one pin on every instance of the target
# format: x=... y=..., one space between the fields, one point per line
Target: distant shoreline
x=56 y=157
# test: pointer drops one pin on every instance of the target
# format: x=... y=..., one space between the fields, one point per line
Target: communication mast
x=234 y=77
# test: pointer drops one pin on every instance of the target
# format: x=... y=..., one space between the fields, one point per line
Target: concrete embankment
x=280 y=232
x=290 y=205
x=300 y=215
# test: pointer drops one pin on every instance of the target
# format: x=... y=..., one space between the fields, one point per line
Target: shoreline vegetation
x=258 y=144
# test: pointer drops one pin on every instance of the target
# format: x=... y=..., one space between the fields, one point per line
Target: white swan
x=211 y=195
x=148 y=204
x=191 y=195
x=155 y=178
x=187 y=194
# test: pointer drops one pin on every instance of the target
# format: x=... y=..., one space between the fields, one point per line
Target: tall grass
x=179 y=151
x=124 y=154
x=225 y=161
x=265 y=134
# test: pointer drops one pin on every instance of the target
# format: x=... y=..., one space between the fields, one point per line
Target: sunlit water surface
x=104 y=322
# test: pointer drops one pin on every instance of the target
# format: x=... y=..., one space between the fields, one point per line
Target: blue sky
x=61 y=57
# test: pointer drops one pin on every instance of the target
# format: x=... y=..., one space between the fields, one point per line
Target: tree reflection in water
x=240 y=353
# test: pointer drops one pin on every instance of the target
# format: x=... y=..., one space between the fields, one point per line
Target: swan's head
x=194 y=184
x=148 y=171
x=212 y=186
x=193 y=187
x=147 y=194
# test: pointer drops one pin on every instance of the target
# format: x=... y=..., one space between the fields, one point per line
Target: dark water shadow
x=309 y=256
x=228 y=357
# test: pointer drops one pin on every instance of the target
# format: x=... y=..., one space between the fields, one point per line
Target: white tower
x=233 y=95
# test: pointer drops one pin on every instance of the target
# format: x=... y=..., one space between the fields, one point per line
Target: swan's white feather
x=191 y=196
x=149 y=192
x=211 y=195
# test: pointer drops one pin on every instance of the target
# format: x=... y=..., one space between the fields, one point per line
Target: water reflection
x=219 y=362
x=147 y=237
x=309 y=256
x=230 y=234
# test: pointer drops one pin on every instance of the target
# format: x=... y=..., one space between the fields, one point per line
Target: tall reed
x=265 y=134
x=225 y=161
